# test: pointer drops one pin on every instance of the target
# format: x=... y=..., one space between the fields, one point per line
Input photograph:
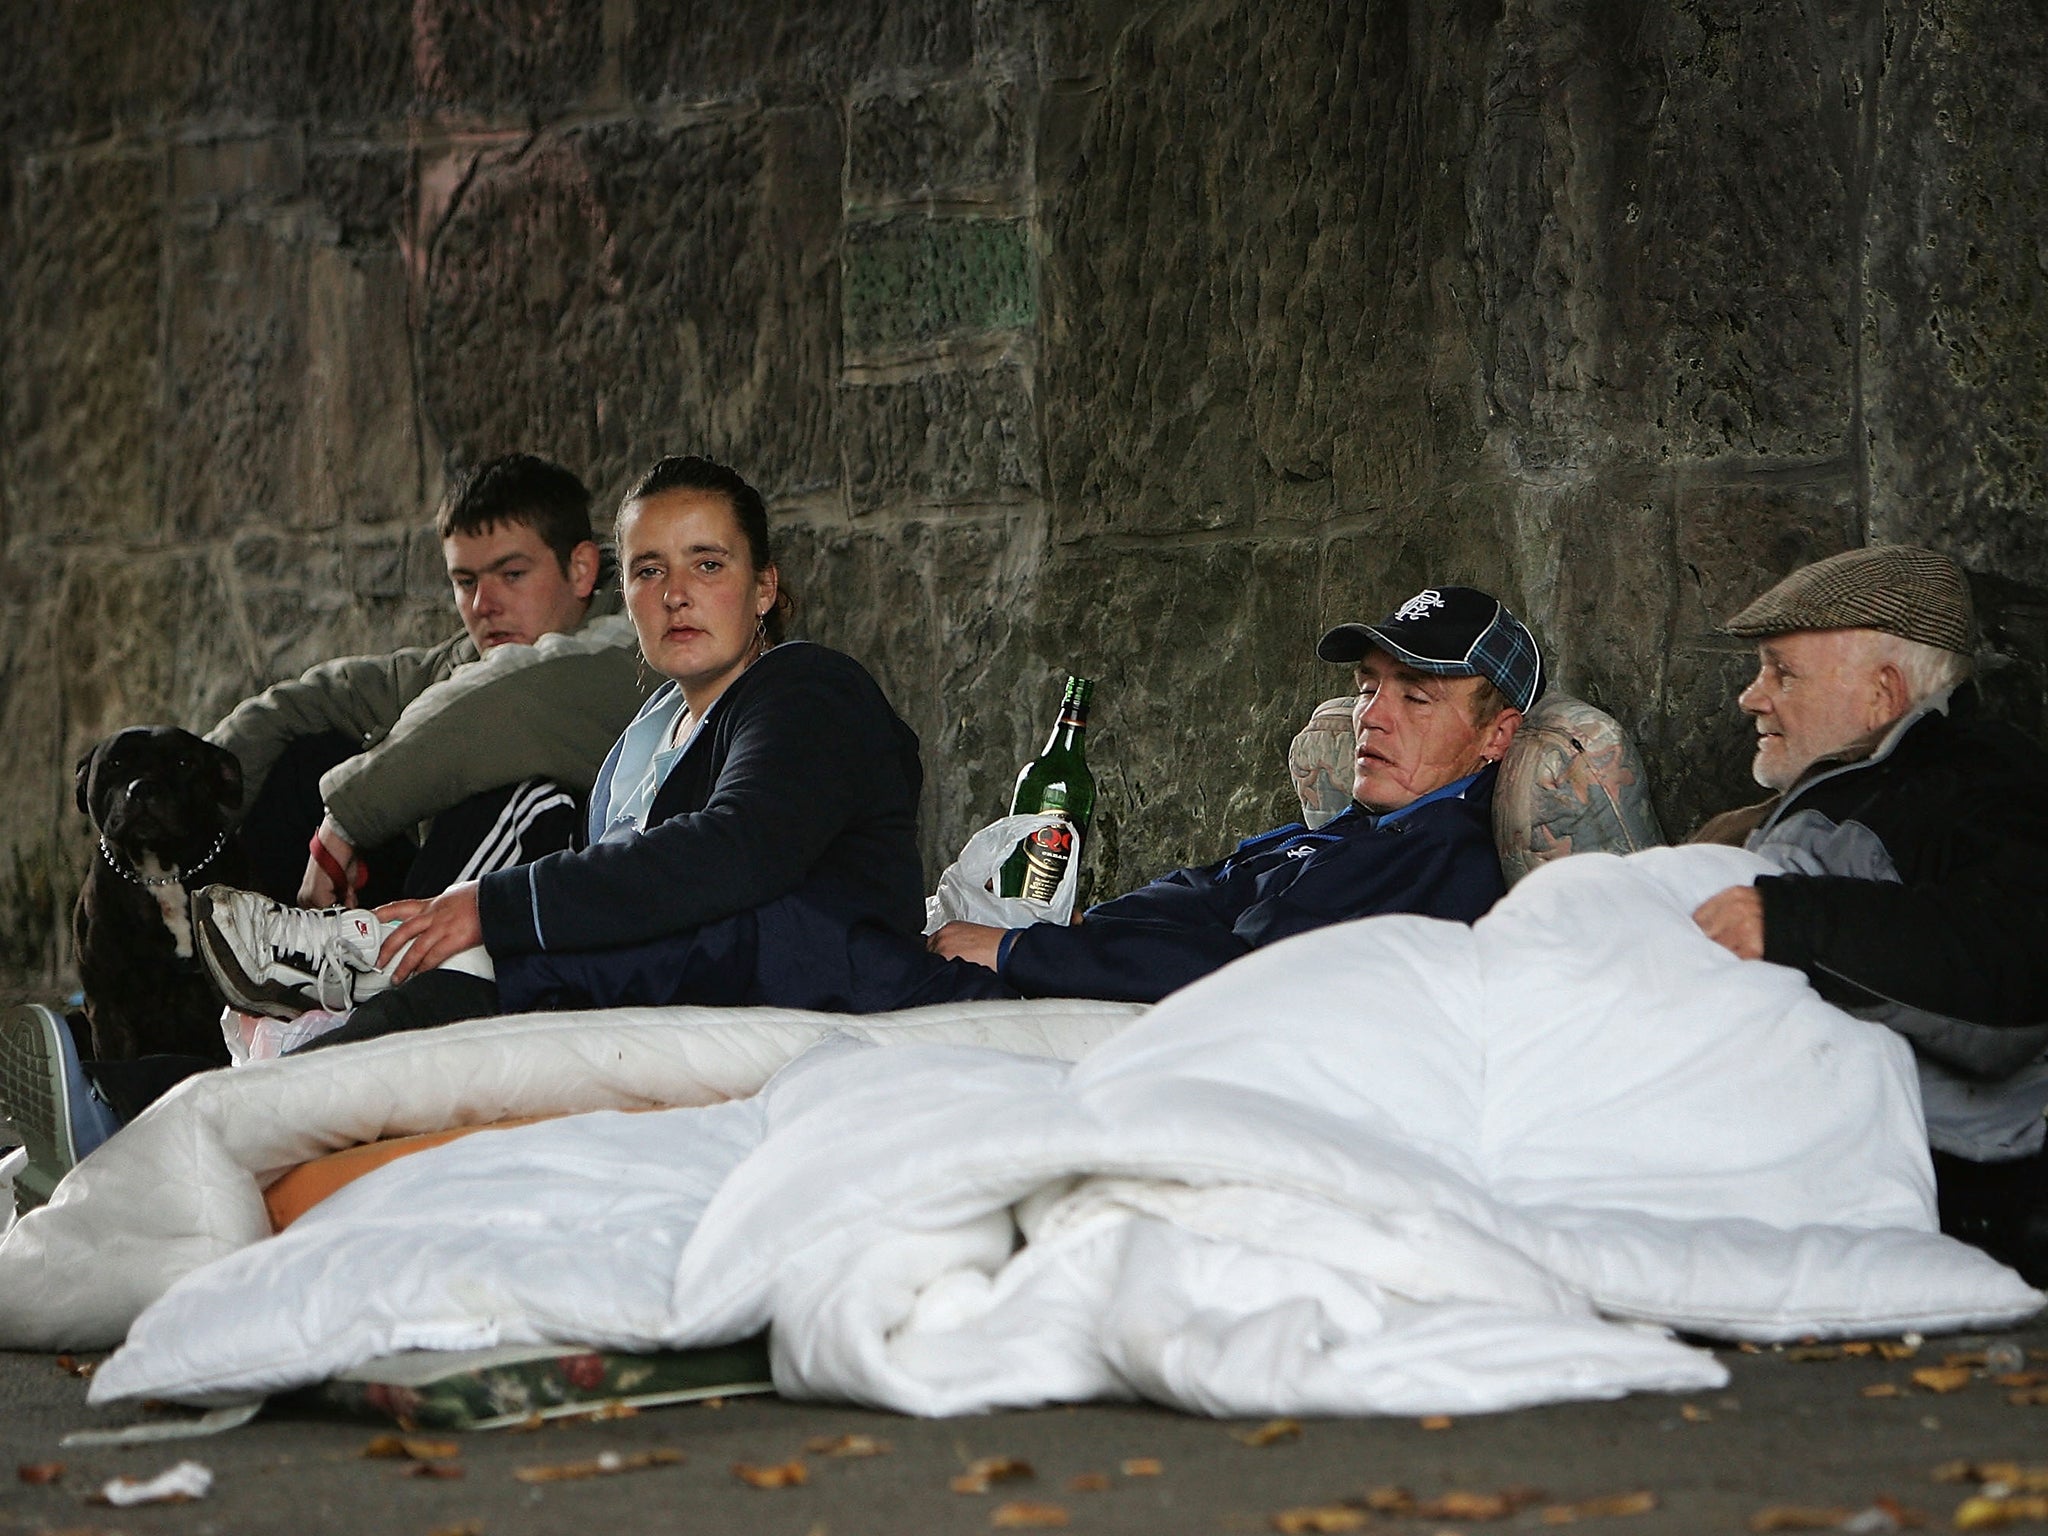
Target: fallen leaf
x=1983 y=1512
x=1388 y=1501
x=1693 y=1413
x=1942 y=1378
x=71 y=1365
x=2022 y=1379
x=1603 y=1508
x=37 y=1473
x=1966 y=1359
x=1857 y=1349
x=600 y=1466
x=1899 y=1351
x=846 y=1445
x=1748 y=1349
x=439 y=1469
x=1318 y=1519
x=991 y=1469
x=467 y=1528
x=1800 y=1517
x=1435 y=1421
x=1019 y=1515
x=1088 y=1482
x=410 y=1448
x=1459 y=1504
x=1884 y=1389
x=2009 y=1475
x=1142 y=1466
x=1810 y=1352
x=786 y=1474
x=1268 y=1432
x=2030 y=1397
x=715 y=1404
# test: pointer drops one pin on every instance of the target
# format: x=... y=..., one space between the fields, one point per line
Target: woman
x=757 y=812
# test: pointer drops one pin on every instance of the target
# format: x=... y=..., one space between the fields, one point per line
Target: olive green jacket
x=439 y=723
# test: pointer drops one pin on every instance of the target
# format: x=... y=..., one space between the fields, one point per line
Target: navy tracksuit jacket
x=1436 y=859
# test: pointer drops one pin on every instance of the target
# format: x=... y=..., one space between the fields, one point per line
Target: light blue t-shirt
x=645 y=758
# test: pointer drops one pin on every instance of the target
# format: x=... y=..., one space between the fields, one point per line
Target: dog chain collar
x=153 y=881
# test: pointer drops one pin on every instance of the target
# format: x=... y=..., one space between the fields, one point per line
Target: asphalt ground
x=1795 y=1427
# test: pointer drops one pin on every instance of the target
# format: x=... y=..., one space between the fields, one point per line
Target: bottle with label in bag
x=1056 y=780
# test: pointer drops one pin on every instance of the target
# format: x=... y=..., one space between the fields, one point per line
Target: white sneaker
x=281 y=961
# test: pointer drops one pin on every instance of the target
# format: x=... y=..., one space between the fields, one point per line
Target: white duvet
x=1394 y=1166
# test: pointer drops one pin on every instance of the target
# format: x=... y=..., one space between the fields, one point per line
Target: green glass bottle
x=1056 y=780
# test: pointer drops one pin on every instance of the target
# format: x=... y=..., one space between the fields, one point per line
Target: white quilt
x=1394 y=1166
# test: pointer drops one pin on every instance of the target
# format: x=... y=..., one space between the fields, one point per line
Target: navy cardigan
x=803 y=780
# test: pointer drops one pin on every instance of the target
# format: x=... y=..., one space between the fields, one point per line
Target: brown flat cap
x=1912 y=593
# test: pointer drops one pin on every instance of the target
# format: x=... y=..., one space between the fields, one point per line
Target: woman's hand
x=967 y=941
x=436 y=929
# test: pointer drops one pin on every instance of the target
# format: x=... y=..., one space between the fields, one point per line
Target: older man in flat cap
x=1914 y=839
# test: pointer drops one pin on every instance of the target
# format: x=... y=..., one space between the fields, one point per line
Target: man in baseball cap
x=1913 y=835
x=1442 y=683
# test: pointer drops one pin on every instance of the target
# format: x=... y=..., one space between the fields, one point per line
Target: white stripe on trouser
x=500 y=847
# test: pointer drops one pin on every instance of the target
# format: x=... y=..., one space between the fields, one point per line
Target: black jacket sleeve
x=1961 y=810
x=1973 y=946
x=801 y=753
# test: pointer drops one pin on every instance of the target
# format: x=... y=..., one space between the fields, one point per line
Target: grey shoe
x=44 y=1095
x=273 y=959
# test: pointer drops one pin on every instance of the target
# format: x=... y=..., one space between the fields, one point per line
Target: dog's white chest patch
x=172 y=901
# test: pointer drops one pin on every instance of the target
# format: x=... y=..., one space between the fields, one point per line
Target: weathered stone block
x=237 y=376
x=85 y=432
x=1736 y=541
x=361 y=192
x=907 y=284
x=1237 y=290
x=1664 y=227
x=948 y=140
x=963 y=438
x=232 y=169
x=709 y=50
x=620 y=292
x=357 y=455
x=532 y=56
x=336 y=62
x=1956 y=317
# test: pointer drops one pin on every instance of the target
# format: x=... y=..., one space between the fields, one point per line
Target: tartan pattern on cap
x=1506 y=656
x=1915 y=594
x=1504 y=653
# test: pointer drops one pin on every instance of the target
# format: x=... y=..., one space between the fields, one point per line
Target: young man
x=1443 y=683
x=486 y=741
x=486 y=738
x=1914 y=838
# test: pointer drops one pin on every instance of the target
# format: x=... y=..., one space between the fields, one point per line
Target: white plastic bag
x=252 y=1037
x=965 y=895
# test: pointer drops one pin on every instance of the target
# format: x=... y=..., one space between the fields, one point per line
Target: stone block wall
x=1136 y=338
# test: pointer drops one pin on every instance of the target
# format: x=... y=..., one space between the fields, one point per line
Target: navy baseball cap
x=1450 y=632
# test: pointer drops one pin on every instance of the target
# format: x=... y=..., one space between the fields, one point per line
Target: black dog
x=163 y=801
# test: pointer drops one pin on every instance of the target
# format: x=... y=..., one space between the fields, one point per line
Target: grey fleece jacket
x=439 y=723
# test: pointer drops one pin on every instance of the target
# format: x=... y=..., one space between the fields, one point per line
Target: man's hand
x=436 y=929
x=967 y=941
x=1734 y=919
x=316 y=887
